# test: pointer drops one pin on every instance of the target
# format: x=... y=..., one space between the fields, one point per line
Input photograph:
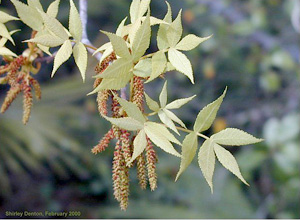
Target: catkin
x=151 y=159
x=141 y=171
x=10 y=97
x=27 y=103
x=104 y=142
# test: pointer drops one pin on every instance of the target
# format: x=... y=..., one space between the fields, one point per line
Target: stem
x=86 y=45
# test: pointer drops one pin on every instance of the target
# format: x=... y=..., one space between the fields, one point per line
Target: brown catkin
x=124 y=190
x=138 y=92
x=37 y=88
x=141 y=171
x=126 y=147
x=10 y=97
x=116 y=171
x=104 y=142
x=151 y=159
x=27 y=103
x=102 y=99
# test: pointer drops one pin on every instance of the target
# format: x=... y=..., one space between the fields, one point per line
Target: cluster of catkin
x=19 y=80
x=145 y=163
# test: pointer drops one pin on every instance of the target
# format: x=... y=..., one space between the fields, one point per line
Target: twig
x=83 y=6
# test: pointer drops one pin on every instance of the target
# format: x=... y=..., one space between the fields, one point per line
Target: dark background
x=47 y=165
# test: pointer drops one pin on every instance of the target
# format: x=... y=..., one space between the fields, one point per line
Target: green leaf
x=153 y=105
x=120 y=28
x=144 y=5
x=190 y=42
x=75 y=25
x=206 y=160
x=159 y=62
x=134 y=10
x=189 y=148
x=154 y=132
x=208 y=114
x=167 y=121
x=106 y=53
x=174 y=31
x=162 y=40
x=141 y=40
x=173 y=117
x=81 y=58
x=143 y=68
x=4 y=17
x=132 y=110
x=4 y=33
x=6 y=52
x=35 y=4
x=163 y=96
x=63 y=54
x=181 y=63
x=234 y=137
x=28 y=15
x=127 y=123
x=169 y=67
x=139 y=145
x=54 y=26
x=47 y=40
x=113 y=83
x=159 y=128
x=117 y=69
x=228 y=161
x=119 y=45
x=53 y=8
x=179 y=102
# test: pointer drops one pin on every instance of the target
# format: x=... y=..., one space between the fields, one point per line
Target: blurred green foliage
x=47 y=165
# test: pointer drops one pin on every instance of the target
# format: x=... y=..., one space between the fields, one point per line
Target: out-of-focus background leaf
x=47 y=165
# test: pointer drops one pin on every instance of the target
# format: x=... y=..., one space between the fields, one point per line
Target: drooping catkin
x=27 y=103
x=124 y=190
x=37 y=88
x=104 y=142
x=151 y=159
x=102 y=99
x=141 y=171
x=116 y=172
x=138 y=92
x=10 y=97
x=126 y=146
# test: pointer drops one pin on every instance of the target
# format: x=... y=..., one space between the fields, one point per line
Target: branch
x=83 y=6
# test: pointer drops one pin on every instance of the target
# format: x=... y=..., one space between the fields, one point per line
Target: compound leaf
x=47 y=40
x=119 y=45
x=208 y=114
x=141 y=40
x=173 y=117
x=127 y=123
x=189 y=148
x=153 y=105
x=4 y=33
x=159 y=62
x=75 y=24
x=163 y=96
x=28 y=15
x=143 y=68
x=134 y=10
x=6 y=52
x=63 y=54
x=167 y=121
x=228 y=161
x=117 y=69
x=139 y=145
x=162 y=39
x=174 y=32
x=190 y=42
x=179 y=102
x=162 y=130
x=181 y=63
x=4 y=17
x=154 y=132
x=53 y=8
x=234 y=137
x=132 y=110
x=81 y=58
x=206 y=160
